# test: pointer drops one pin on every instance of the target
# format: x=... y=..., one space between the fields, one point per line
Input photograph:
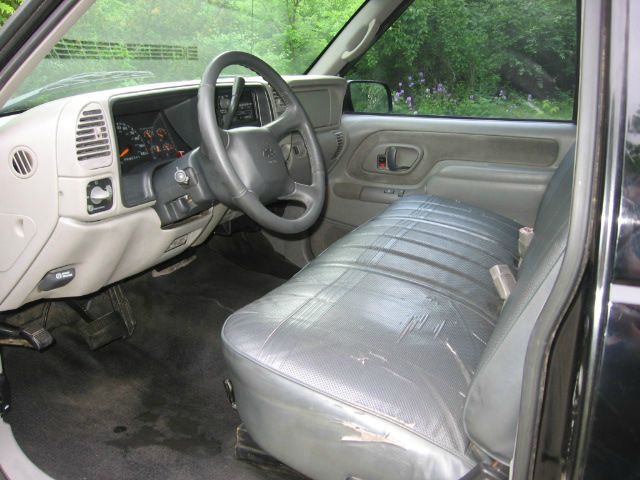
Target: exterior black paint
x=615 y=433
x=614 y=445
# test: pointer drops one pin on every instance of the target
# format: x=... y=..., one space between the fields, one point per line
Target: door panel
x=502 y=166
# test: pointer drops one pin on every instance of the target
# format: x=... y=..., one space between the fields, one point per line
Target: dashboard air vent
x=340 y=139
x=22 y=162
x=280 y=105
x=92 y=134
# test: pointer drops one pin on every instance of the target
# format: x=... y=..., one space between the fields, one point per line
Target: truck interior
x=280 y=274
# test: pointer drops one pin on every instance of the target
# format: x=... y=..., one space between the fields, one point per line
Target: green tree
x=7 y=7
x=481 y=57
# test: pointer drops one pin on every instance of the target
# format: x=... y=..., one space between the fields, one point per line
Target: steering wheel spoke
x=300 y=193
x=285 y=124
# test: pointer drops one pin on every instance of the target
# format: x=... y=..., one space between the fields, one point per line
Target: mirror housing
x=367 y=96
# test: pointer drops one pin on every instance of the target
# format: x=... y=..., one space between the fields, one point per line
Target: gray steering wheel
x=245 y=166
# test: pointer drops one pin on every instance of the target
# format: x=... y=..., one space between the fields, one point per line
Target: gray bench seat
x=364 y=362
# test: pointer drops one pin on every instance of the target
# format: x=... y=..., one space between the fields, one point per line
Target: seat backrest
x=493 y=401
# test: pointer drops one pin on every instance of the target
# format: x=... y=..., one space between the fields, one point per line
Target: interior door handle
x=392 y=163
x=389 y=160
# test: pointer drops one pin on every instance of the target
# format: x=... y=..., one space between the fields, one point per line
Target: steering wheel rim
x=255 y=176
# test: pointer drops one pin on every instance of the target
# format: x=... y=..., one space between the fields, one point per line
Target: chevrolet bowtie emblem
x=268 y=153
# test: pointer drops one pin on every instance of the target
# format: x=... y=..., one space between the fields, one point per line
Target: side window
x=481 y=59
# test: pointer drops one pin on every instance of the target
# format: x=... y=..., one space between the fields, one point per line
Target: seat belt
x=502 y=277
x=525 y=235
x=503 y=280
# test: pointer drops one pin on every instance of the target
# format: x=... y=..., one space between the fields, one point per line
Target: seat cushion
x=373 y=345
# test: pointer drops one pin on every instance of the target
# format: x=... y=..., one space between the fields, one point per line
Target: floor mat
x=151 y=406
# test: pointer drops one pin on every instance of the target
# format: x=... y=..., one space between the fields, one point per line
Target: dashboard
x=150 y=136
x=86 y=211
x=153 y=129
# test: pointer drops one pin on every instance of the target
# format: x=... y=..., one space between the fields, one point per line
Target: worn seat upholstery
x=391 y=354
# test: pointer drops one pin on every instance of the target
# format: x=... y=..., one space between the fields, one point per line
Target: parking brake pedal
x=33 y=335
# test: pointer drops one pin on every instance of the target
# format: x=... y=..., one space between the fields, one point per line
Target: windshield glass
x=119 y=43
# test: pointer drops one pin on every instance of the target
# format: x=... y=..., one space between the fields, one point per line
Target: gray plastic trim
x=581 y=227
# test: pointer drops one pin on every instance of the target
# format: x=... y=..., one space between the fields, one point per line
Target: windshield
x=119 y=43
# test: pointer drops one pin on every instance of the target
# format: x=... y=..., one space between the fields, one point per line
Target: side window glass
x=482 y=59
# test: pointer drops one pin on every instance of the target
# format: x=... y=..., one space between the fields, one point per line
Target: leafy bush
x=7 y=7
x=505 y=58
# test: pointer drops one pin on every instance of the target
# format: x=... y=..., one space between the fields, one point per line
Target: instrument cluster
x=144 y=137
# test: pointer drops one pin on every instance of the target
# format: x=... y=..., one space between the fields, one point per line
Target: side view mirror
x=367 y=96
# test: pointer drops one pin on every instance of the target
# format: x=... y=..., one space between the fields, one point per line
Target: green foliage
x=288 y=34
x=474 y=53
x=475 y=57
x=7 y=7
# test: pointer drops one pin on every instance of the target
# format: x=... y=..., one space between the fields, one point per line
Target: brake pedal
x=105 y=317
x=32 y=335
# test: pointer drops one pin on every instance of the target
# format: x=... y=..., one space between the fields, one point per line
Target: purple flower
x=409 y=78
x=410 y=102
x=440 y=88
x=412 y=84
x=422 y=80
x=529 y=98
x=400 y=84
x=401 y=92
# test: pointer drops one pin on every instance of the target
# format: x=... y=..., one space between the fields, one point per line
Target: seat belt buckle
x=525 y=235
x=503 y=280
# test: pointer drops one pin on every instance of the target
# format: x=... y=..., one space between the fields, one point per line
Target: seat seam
x=426 y=261
x=389 y=273
x=459 y=213
x=430 y=245
x=453 y=227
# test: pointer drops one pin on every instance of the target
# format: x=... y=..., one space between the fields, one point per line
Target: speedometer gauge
x=132 y=148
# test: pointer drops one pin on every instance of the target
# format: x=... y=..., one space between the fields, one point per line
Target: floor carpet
x=151 y=406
